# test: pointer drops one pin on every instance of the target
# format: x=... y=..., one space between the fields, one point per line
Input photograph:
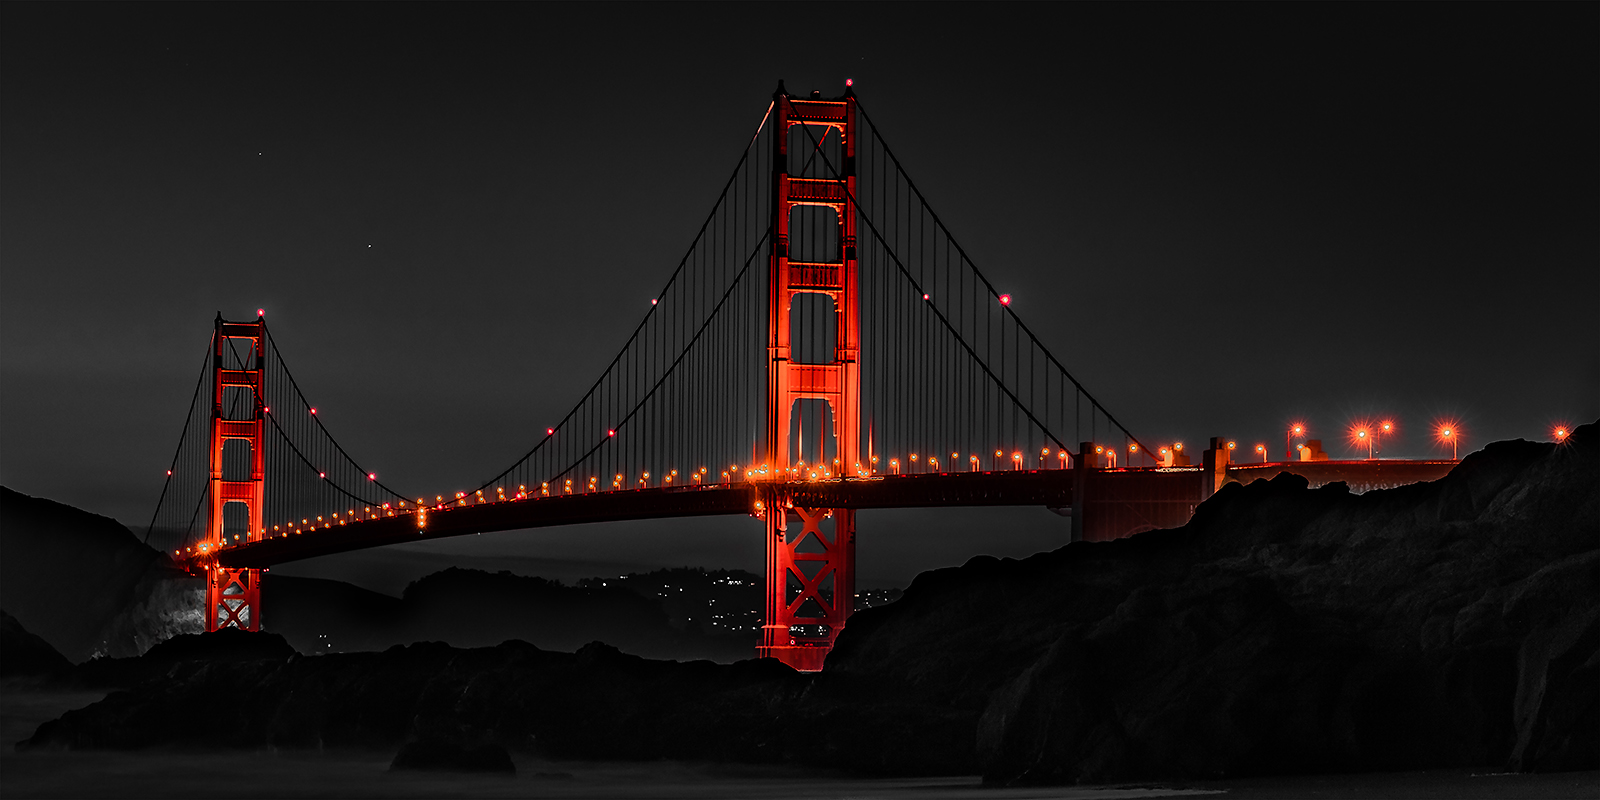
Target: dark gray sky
x=1220 y=218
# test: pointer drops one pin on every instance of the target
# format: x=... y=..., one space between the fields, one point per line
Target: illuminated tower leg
x=811 y=559
x=233 y=596
x=811 y=552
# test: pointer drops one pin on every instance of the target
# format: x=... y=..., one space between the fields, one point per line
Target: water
x=168 y=773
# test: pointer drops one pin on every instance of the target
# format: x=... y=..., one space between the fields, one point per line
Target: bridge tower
x=233 y=596
x=810 y=574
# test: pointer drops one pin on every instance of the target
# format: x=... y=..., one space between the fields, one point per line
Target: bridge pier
x=810 y=582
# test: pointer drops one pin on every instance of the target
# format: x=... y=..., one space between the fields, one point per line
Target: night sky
x=1219 y=218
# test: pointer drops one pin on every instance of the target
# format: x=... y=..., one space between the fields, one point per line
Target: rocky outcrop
x=1284 y=629
x=22 y=653
x=189 y=651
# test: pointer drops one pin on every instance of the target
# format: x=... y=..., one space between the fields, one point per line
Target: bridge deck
x=1119 y=502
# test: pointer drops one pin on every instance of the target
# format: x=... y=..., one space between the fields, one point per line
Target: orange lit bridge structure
x=824 y=346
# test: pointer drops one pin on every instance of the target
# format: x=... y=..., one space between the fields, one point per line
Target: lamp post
x=1262 y=449
x=1448 y=433
x=1362 y=437
x=1297 y=429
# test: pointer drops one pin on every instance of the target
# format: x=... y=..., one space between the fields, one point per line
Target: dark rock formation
x=22 y=653
x=1285 y=629
x=226 y=646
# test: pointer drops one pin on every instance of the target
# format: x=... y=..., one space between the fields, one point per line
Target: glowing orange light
x=1449 y=432
x=1561 y=433
x=1005 y=299
x=1134 y=448
x=1176 y=446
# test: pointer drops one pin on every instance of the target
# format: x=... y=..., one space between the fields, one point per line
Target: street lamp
x=1297 y=429
x=1262 y=449
x=1449 y=433
x=1361 y=436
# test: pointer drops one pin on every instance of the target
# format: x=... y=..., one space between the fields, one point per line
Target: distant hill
x=67 y=574
x=22 y=653
x=474 y=608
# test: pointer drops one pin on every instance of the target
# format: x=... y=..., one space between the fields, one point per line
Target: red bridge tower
x=233 y=596
x=811 y=551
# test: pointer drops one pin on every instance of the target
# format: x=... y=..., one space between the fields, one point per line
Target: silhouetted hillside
x=66 y=574
x=714 y=602
x=23 y=653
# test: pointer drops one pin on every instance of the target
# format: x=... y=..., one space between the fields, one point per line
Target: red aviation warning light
x=1005 y=299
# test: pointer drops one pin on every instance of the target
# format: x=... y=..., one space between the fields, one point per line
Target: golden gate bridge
x=823 y=346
